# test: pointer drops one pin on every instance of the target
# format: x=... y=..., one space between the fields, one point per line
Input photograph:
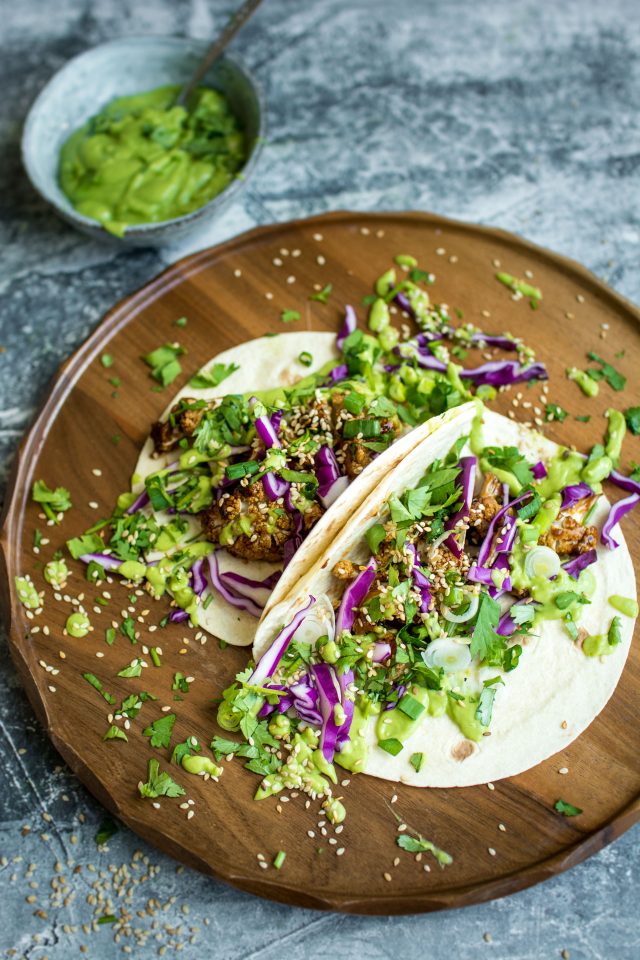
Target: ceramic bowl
x=120 y=68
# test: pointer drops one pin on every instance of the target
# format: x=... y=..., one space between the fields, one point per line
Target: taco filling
x=430 y=608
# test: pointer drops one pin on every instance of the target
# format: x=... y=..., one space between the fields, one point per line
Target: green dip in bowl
x=144 y=160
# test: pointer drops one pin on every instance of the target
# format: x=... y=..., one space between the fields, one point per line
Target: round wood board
x=223 y=292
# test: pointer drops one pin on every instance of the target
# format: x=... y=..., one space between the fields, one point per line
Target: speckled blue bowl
x=119 y=68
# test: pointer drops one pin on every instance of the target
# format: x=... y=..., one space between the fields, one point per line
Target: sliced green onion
x=153 y=653
x=279 y=859
x=391 y=746
x=542 y=562
x=416 y=760
x=306 y=359
x=368 y=428
x=411 y=706
x=235 y=471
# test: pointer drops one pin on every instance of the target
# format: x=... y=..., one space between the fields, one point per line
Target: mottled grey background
x=519 y=113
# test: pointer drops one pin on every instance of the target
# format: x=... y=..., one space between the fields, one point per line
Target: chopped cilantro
x=214 y=376
x=568 y=597
x=416 y=760
x=553 y=412
x=106 y=360
x=613 y=377
x=185 y=749
x=322 y=295
x=566 y=809
x=164 y=363
x=375 y=535
x=128 y=629
x=180 y=682
x=418 y=844
x=289 y=316
x=159 y=783
x=97 y=685
x=614 y=634
x=484 y=709
x=584 y=418
x=133 y=669
x=115 y=733
x=486 y=644
x=160 y=730
x=88 y=543
x=421 y=276
x=107 y=918
x=106 y=830
x=180 y=322
x=53 y=502
x=110 y=635
x=632 y=416
x=511 y=460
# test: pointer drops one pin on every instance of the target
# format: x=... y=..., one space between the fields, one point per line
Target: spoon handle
x=238 y=19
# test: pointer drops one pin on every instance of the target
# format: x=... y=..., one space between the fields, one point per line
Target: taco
x=471 y=619
x=247 y=460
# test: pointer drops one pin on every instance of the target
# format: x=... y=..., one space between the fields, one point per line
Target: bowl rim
x=141 y=230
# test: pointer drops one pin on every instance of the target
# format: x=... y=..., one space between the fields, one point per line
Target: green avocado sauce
x=624 y=605
x=353 y=754
x=144 y=160
x=463 y=714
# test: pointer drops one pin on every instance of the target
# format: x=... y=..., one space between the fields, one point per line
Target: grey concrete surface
x=517 y=113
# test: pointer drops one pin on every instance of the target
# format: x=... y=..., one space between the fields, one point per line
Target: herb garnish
x=289 y=316
x=160 y=731
x=164 y=363
x=97 y=685
x=322 y=295
x=632 y=416
x=159 y=783
x=53 y=502
x=106 y=830
x=566 y=809
x=553 y=412
x=613 y=377
x=214 y=376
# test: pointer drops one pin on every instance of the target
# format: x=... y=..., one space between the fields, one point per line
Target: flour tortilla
x=554 y=683
x=264 y=364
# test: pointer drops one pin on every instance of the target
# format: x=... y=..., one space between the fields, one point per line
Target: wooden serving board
x=229 y=294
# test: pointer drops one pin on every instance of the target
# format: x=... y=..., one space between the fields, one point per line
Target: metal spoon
x=238 y=20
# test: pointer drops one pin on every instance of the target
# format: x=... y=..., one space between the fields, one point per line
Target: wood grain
x=223 y=293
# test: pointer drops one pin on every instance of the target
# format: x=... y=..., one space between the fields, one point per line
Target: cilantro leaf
x=164 y=363
x=214 y=376
x=160 y=730
x=115 y=733
x=289 y=316
x=486 y=644
x=374 y=536
x=522 y=613
x=553 y=412
x=632 y=416
x=511 y=460
x=159 y=783
x=106 y=830
x=419 y=844
x=53 y=502
x=613 y=377
x=185 y=749
x=87 y=543
x=566 y=809
x=133 y=669
x=180 y=682
x=322 y=295
x=484 y=709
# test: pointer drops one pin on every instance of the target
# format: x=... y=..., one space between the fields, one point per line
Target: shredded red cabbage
x=617 y=512
x=574 y=493
x=353 y=597
x=576 y=565
x=625 y=483
x=104 y=559
x=345 y=680
x=141 y=501
x=468 y=479
x=349 y=325
x=341 y=372
x=243 y=603
x=496 y=373
x=421 y=580
x=295 y=540
x=268 y=663
x=330 y=695
x=539 y=470
x=274 y=486
x=256 y=590
x=267 y=432
x=494 y=340
x=178 y=615
x=198 y=577
x=331 y=484
x=381 y=651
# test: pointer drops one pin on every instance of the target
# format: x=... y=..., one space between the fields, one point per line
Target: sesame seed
x=502 y=827
x=237 y=272
x=291 y=279
x=491 y=851
x=563 y=770
x=268 y=296
x=579 y=298
x=441 y=251
x=490 y=786
x=320 y=260
x=339 y=851
x=387 y=877
x=317 y=236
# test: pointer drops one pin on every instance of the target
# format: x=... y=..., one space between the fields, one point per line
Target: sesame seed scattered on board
x=490 y=786
x=237 y=272
x=563 y=770
x=491 y=851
